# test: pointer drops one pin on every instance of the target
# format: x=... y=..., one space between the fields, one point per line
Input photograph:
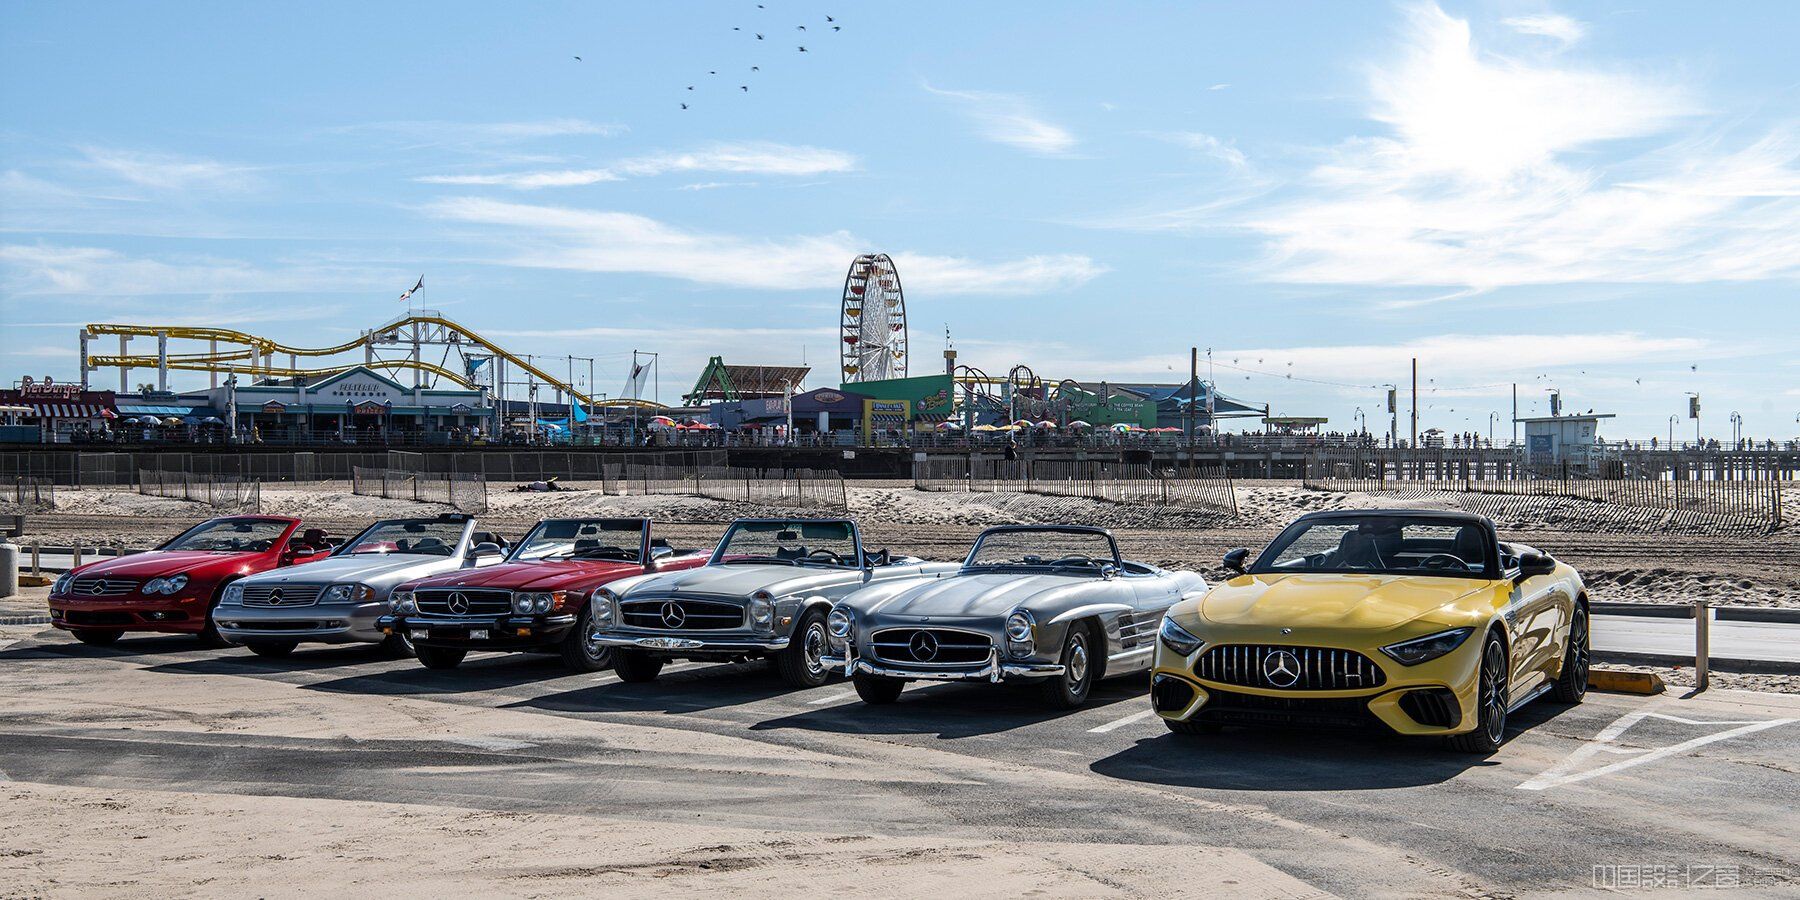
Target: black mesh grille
x=472 y=603
x=1301 y=669
x=1229 y=707
x=1435 y=706
x=678 y=614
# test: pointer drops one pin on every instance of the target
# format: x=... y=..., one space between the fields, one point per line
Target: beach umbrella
x=1078 y=423
x=1122 y=427
x=1045 y=424
x=985 y=428
x=1021 y=423
x=212 y=420
x=948 y=426
x=171 y=421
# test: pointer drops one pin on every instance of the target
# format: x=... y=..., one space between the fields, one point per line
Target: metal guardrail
x=1091 y=479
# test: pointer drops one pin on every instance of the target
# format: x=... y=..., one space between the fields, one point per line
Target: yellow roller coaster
x=254 y=355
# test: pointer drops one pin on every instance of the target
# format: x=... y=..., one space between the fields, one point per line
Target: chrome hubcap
x=815 y=648
x=594 y=647
x=1078 y=660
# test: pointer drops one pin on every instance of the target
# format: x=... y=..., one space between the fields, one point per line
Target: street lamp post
x=1492 y=418
x=1672 y=419
x=1737 y=429
x=1363 y=419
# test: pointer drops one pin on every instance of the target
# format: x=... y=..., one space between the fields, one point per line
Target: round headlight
x=521 y=603
x=762 y=609
x=839 y=622
x=407 y=606
x=1018 y=628
x=602 y=603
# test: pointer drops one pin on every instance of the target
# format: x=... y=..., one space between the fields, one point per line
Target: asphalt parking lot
x=1576 y=793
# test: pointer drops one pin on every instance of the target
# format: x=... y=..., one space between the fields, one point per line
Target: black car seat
x=785 y=553
x=1357 y=550
x=487 y=537
x=587 y=544
x=314 y=538
x=876 y=558
x=1470 y=547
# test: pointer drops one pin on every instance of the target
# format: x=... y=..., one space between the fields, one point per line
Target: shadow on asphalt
x=1245 y=759
x=693 y=689
x=126 y=648
x=951 y=710
x=239 y=661
x=476 y=675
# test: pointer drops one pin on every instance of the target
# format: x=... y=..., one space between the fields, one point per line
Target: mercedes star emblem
x=275 y=597
x=1281 y=669
x=673 y=616
x=924 y=646
x=459 y=604
x=96 y=587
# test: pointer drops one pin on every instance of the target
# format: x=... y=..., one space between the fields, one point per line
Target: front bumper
x=335 y=623
x=133 y=612
x=994 y=670
x=499 y=634
x=695 y=645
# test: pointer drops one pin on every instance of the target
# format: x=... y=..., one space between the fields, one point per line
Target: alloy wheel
x=1493 y=679
x=1578 y=648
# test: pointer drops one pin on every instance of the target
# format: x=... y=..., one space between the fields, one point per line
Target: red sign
x=48 y=388
x=274 y=406
x=369 y=408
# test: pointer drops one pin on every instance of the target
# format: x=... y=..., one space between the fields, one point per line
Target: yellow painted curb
x=1623 y=682
x=35 y=580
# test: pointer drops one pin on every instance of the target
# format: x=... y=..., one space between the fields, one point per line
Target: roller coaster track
x=255 y=346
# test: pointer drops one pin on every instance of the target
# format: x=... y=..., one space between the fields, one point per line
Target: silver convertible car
x=1050 y=603
x=339 y=601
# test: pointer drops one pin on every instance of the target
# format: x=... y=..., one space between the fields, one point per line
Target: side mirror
x=1109 y=571
x=1234 y=560
x=1531 y=564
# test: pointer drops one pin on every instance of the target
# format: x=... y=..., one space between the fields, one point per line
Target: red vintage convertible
x=536 y=601
x=174 y=588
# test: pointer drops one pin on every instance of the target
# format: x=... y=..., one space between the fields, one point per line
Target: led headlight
x=1177 y=638
x=602 y=607
x=167 y=585
x=1428 y=648
x=531 y=603
x=402 y=602
x=62 y=584
x=762 y=610
x=234 y=593
x=347 y=593
x=1019 y=631
x=840 y=622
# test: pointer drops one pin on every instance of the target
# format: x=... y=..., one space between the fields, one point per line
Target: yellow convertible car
x=1419 y=621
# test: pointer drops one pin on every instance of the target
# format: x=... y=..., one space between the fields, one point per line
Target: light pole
x=1363 y=419
x=1694 y=411
x=1672 y=419
x=1492 y=418
x=1737 y=429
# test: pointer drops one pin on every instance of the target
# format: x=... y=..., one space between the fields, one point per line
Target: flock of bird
x=831 y=23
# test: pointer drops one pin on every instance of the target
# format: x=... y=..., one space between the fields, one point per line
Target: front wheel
x=395 y=646
x=209 y=634
x=440 y=657
x=636 y=666
x=1491 y=698
x=877 y=690
x=581 y=649
x=802 y=664
x=1572 y=684
x=272 y=649
x=1070 y=689
x=96 y=637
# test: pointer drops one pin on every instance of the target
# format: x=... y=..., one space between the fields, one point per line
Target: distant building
x=1553 y=441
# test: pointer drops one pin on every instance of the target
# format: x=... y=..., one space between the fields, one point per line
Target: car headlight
x=62 y=584
x=1428 y=648
x=234 y=593
x=1019 y=629
x=531 y=603
x=167 y=585
x=602 y=607
x=347 y=593
x=762 y=610
x=1177 y=638
x=401 y=601
x=839 y=623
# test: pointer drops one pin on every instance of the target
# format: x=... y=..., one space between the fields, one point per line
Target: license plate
x=421 y=633
x=478 y=634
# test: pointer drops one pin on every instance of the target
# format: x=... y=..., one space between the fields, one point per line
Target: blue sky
x=1599 y=198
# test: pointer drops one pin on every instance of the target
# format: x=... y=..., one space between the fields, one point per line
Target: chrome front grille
x=931 y=646
x=681 y=614
x=102 y=587
x=282 y=595
x=1302 y=669
x=463 y=602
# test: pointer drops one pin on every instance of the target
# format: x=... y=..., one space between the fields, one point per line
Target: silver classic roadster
x=1052 y=603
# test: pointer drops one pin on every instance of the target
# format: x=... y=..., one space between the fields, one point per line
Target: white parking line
x=1564 y=772
x=1138 y=716
x=832 y=697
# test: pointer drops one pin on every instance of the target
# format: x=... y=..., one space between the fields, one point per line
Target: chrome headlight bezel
x=603 y=607
x=62 y=585
x=840 y=622
x=762 y=611
x=1021 y=634
x=234 y=594
x=169 y=584
x=533 y=603
x=1419 y=650
x=352 y=592
x=402 y=602
x=1179 y=640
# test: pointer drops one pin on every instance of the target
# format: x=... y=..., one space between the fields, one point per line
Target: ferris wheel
x=873 y=320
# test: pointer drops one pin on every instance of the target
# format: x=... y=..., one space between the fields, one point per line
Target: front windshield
x=1414 y=545
x=230 y=536
x=1043 y=548
x=430 y=537
x=620 y=539
x=796 y=543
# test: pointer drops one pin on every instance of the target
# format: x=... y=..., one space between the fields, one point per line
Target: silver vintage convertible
x=1051 y=603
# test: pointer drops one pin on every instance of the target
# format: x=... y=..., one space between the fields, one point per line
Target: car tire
x=636 y=666
x=1491 y=701
x=580 y=649
x=440 y=657
x=877 y=690
x=1191 y=727
x=272 y=649
x=94 y=637
x=396 y=646
x=802 y=663
x=1571 y=686
x=1070 y=689
x=209 y=634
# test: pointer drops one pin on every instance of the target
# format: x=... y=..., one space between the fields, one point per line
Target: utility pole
x=1515 y=437
x=1193 y=391
x=1415 y=403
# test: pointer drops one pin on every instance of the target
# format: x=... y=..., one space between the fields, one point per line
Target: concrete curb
x=24 y=620
x=1618 y=682
x=1783 y=615
x=1717 y=663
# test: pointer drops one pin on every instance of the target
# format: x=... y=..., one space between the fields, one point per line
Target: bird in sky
x=1693 y=368
x=830 y=19
x=837 y=28
x=744 y=87
x=578 y=59
x=759 y=37
x=756 y=68
x=684 y=106
x=802 y=49
x=800 y=27
x=690 y=87
x=735 y=28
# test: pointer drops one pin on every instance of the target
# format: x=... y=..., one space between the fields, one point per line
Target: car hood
x=160 y=563
x=744 y=579
x=1331 y=600
x=549 y=575
x=991 y=594
x=366 y=568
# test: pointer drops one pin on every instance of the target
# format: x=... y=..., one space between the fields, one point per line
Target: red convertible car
x=536 y=601
x=174 y=588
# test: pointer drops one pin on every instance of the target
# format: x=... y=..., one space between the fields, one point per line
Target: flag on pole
x=409 y=291
x=634 y=385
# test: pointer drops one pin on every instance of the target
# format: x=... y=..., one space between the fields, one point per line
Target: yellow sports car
x=1417 y=620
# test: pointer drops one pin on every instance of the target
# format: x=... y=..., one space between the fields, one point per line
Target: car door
x=1150 y=596
x=1534 y=617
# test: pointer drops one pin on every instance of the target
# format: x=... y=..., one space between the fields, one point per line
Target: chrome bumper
x=329 y=624
x=993 y=671
x=646 y=642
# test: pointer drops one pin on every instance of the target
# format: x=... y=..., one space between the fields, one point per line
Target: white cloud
x=167 y=172
x=1213 y=147
x=1488 y=177
x=1551 y=25
x=753 y=158
x=606 y=241
x=58 y=270
x=1009 y=119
